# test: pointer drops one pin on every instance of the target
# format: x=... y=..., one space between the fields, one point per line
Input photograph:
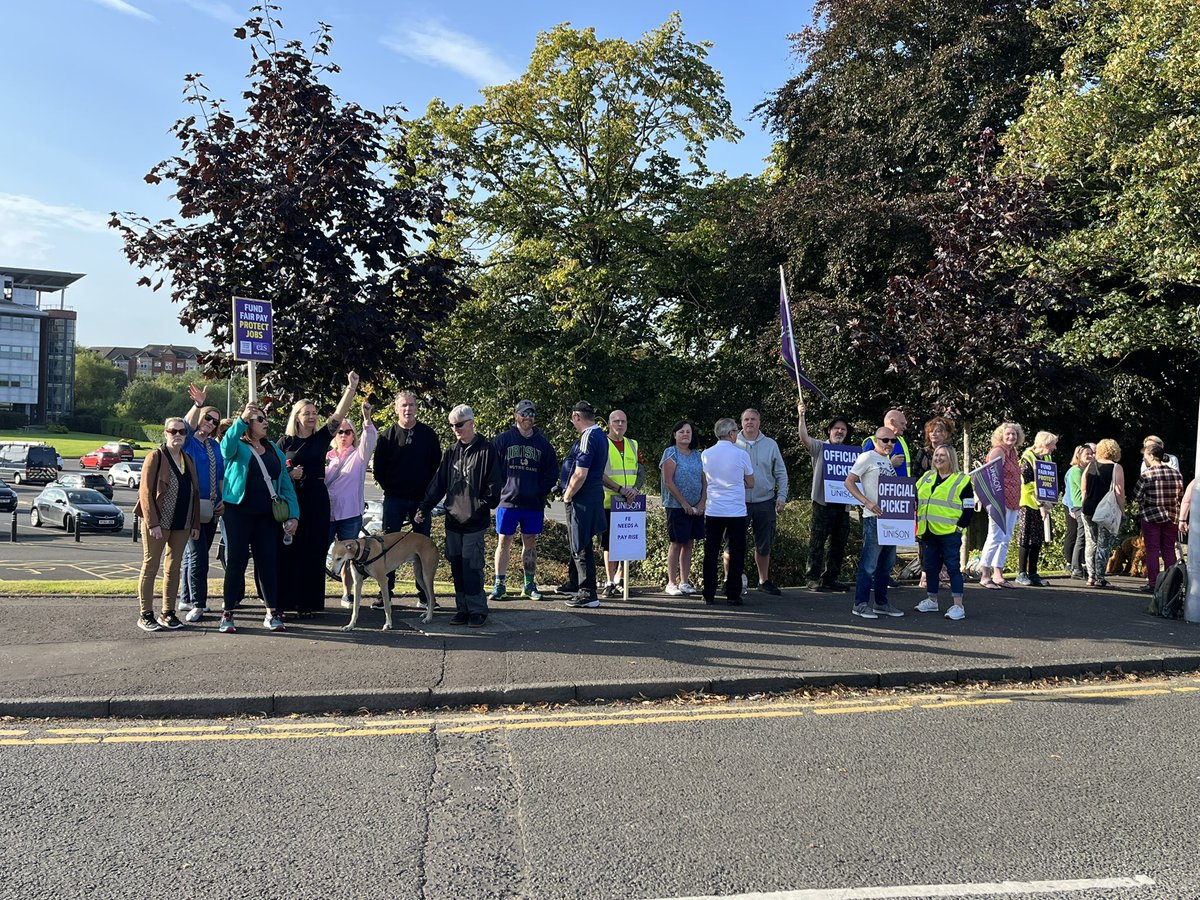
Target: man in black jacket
x=406 y=458
x=469 y=480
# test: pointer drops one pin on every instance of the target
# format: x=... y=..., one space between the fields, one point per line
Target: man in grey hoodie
x=766 y=499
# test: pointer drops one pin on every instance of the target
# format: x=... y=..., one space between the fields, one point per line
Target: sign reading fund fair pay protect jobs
x=897 y=523
x=252 y=340
x=627 y=537
x=837 y=459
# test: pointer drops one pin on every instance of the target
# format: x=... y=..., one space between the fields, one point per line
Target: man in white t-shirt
x=876 y=562
x=729 y=473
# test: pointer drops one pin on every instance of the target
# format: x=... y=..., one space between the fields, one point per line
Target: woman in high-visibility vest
x=945 y=503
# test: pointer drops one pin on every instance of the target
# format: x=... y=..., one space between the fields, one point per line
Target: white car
x=126 y=473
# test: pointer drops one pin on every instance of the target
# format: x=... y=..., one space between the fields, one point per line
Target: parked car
x=99 y=459
x=91 y=480
x=126 y=473
x=26 y=461
x=58 y=505
x=123 y=450
x=8 y=498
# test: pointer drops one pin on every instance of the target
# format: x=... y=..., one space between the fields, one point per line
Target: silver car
x=126 y=473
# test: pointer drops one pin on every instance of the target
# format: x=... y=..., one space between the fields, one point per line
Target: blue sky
x=91 y=88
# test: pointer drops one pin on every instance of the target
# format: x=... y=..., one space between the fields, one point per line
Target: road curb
x=350 y=702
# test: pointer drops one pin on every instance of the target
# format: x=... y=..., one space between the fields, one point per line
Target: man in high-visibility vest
x=897 y=421
x=624 y=475
x=945 y=503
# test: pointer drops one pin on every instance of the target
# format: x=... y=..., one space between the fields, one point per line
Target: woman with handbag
x=302 y=563
x=259 y=497
x=202 y=448
x=169 y=509
x=345 y=479
x=1102 y=508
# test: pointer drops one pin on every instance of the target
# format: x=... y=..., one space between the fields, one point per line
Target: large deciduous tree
x=572 y=174
x=285 y=204
x=886 y=109
x=1115 y=133
x=98 y=383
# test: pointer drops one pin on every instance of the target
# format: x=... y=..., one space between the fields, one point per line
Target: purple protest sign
x=897 y=523
x=252 y=335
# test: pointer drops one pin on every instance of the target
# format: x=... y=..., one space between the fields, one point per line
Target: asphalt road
x=1039 y=793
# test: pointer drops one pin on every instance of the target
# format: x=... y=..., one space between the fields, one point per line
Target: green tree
x=568 y=175
x=98 y=383
x=285 y=204
x=153 y=399
x=887 y=107
x=1115 y=134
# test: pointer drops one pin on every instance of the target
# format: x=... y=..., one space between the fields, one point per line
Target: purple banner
x=252 y=336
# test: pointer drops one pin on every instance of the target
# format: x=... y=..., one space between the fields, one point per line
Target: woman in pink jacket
x=345 y=478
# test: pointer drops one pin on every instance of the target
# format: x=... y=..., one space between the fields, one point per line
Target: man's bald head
x=896 y=421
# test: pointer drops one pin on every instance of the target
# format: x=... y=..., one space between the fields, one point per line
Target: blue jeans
x=193 y=586
x=874 y=566
x=942 y=550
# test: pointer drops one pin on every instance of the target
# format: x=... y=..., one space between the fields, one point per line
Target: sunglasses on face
x=345 y=431
x=211 y=421
x=527 y=415
x=880 y=440
x=462 y=424
x=258 y=419
x=174 y=431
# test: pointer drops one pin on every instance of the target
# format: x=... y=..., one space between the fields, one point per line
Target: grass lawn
x=69 y=446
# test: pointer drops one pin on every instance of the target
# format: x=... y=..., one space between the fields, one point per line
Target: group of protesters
x=284 y=502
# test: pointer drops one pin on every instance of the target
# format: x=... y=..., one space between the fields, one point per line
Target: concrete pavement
x=84 y=657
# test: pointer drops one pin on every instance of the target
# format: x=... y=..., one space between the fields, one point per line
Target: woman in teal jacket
x=255 y=475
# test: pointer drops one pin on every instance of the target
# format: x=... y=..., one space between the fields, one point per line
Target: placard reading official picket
x=897 y=523
x=837 y=459
x=1045 y=481
x=627 y=537
x=252 y=341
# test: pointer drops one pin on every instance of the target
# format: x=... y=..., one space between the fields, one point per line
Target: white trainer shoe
x=956 y=613
x=928 y=605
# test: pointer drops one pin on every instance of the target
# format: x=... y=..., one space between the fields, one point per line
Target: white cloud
x=28 y=226
x=438 y=45
x=215 y=9
x=127 y=9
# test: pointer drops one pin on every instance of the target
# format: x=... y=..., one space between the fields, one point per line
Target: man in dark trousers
x=529 y=471
x=469 y=480
x=583 y=493
x=406 y=458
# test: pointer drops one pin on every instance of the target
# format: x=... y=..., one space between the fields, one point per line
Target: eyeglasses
x=258 y=418
x=345 y=431
x=462 y=424
x=880 y=440
x=527 y=415
x=174 y=431
x=211 y=421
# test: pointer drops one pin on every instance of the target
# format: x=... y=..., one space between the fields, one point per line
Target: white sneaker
x=183 y=605
x=673 y=590
x=745 y=582
x=686 y=587
x=956 y=613
x=195 y=614
x=928 y=605
x=346 y=601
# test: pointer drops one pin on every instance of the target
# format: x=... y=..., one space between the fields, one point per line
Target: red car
x=99 y=459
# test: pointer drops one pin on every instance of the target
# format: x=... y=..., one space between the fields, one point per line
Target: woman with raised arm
x=345 y=479
x=302 y=563
x=255 y=479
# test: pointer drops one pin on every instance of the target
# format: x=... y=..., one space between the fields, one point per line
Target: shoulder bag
x=279 y=507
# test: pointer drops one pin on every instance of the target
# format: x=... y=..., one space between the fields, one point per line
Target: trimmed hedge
x=10 y=419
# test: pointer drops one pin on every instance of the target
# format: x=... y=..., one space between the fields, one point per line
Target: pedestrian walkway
x=85 y=657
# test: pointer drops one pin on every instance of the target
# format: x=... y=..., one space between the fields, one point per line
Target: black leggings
x=249 y=530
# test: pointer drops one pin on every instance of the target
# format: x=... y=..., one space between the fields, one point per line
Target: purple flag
x=988 y=483
x=788 y=340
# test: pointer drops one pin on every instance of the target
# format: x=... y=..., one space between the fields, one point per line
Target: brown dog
x=1128 y=558
x=379 y=554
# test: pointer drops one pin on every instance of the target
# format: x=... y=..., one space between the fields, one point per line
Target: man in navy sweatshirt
x=528 y=470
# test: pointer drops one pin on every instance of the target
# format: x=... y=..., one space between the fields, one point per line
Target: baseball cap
x=585 y=408
x=526 y=408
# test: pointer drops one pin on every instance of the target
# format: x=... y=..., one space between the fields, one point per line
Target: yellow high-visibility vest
x=939 y=508
x=621 y=467
x=1029 y=491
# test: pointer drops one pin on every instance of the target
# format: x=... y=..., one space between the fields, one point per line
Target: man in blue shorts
x=528 y=471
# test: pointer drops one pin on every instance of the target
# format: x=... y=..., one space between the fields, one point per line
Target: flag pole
x=787 y=305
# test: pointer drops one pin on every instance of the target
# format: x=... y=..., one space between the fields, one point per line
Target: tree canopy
x=285 y=204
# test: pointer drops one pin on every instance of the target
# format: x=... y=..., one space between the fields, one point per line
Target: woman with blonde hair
x=1007 y=437
x=1033 y=513
x=1101 y=476
x=345 y=479
x=169 y=509
x=302 y=563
